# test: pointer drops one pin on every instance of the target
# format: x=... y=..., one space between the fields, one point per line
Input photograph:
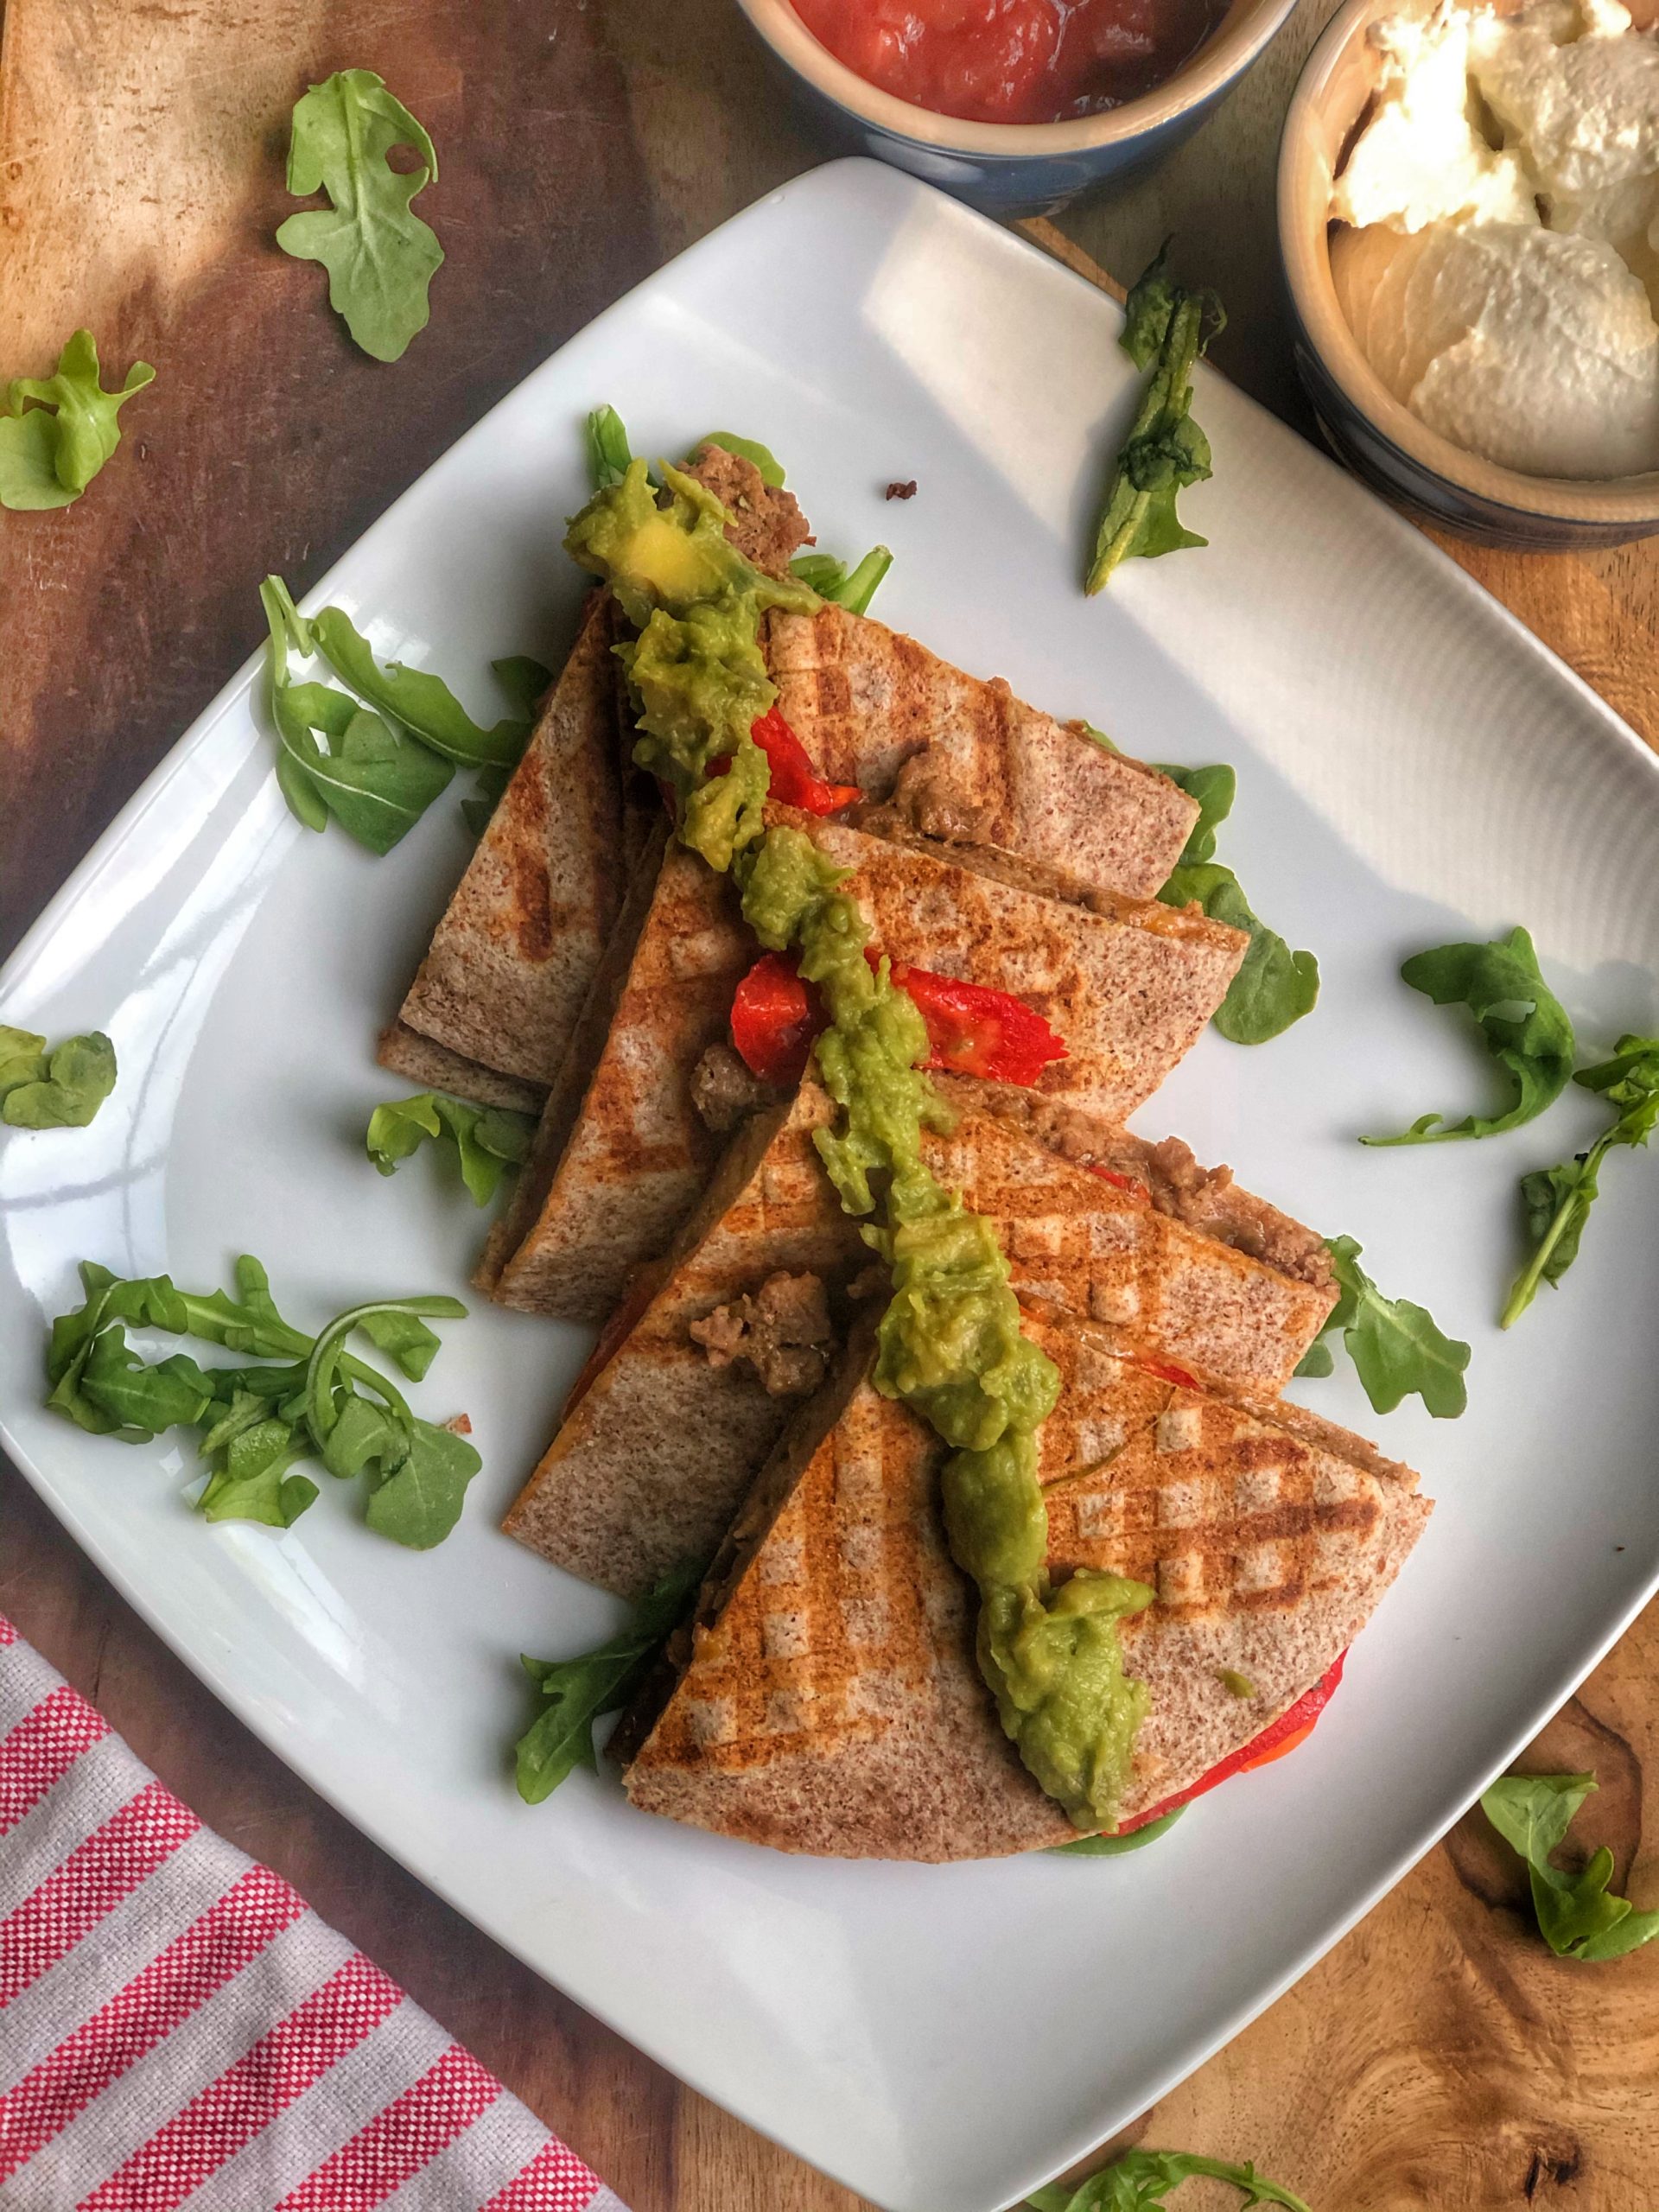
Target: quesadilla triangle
x=701 y=1369
x=435 y=1067
x=826 y=1697
x=1126 y=984
x=512 y=958
x=962 y=759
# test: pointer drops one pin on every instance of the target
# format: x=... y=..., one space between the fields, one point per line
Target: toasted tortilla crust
x=435 y=1067
x=512 y=959
x=967 y=761
x=830 y=1702
x=649 y=1465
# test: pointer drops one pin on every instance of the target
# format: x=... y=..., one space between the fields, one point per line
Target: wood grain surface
x=1439 y=2057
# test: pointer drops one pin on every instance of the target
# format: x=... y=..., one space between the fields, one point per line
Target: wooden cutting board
x=1439 y=2057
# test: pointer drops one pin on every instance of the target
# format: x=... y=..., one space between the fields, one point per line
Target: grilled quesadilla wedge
x=703 y=1368
x=435 y=1067
x=828 y=1699
x=512 y=958
x=964 y=760
x=1127 y=985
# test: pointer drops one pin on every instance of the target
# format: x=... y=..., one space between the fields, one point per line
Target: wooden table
x=1440 y=2057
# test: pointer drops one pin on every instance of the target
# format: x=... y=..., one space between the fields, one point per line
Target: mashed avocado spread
x=950 y=1344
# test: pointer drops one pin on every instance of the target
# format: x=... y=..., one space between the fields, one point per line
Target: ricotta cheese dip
x=1499 y=262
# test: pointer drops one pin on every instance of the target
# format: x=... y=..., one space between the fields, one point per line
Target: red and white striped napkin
x=178 y=2032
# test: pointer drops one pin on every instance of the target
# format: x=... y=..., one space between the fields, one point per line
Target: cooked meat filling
x=724 y=1092
x=767 y=527
x=783 y=1331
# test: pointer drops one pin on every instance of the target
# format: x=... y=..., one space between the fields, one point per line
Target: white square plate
x=1413 y=768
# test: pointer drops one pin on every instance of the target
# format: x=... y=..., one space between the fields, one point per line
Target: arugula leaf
x=1214 y=788
x=1533 y=1046
x=1275 y=986
x=1140 y=2181
x=1397 y=1348
x=379 y=255
x=421 y=1503
x=1558 y=1199
x=422 y=702
x=524 y=681
x=1578 y=1917
x=574 y=1692
x=259 y=1420
x=751 y=449
x=488 y=1140
x=1165 y=329
x=1113 y=1846
x=59 y=1089
x=254 y=1484
x=58 y=430
x=823 y=574
x=374 y=779
x=608 y=450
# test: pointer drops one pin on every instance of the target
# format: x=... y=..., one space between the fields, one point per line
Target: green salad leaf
x=1165 y=330
x=1558 y=1199
x=1140 y=2181
x=379 y=255
x=488 y=1140
x=422 y=702
x=1275 y=986
x=573 y=1694
x=61 y=1089
x=321 y=1402
x=1522 y=1022
x=831 y=579
x=334 y=757
x=750 y=449
x=608 y=450
x=1114 y=1847
x=1397 y=1348
x=58 y=431
x=1578 y=1917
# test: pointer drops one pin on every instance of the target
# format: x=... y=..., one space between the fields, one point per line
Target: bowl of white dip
x=1469 y=225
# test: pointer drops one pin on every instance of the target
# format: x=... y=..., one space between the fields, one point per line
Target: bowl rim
x=1224 y=55
x=1304 y=247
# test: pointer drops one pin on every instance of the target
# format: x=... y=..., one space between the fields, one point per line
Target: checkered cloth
x=179 y=2030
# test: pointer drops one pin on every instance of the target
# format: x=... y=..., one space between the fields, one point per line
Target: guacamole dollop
x=950 y=1344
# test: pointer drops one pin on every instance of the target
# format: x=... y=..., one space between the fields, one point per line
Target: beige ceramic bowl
x=1380 y=439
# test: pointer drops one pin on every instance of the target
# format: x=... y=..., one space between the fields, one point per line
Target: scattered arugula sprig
x=61 y=1089
x=1397 y=1348
x=487 y=1139
x=608 y=457
x=573 y=1694
x=1558 y=1199
x=1576 y=1917
x=1274 y=986
x=1165 y=329
x=319 y=1401
x=58 y=431
x=379 y=255
x=1524 y=1024
x=1140 y=2181
x=386 y=762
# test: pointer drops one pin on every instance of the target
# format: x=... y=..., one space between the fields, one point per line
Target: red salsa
x=1012 y=60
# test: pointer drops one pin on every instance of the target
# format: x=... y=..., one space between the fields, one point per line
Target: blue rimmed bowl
x=1376 y=435
x=1021 y=168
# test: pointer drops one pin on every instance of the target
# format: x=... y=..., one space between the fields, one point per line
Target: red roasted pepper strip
x=775 y=1016
x=1296 y=1720
x=971 y=1030
x=794 y=781
x=977 y=1031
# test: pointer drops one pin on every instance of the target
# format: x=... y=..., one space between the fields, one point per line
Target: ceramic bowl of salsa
x=1017 y=105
